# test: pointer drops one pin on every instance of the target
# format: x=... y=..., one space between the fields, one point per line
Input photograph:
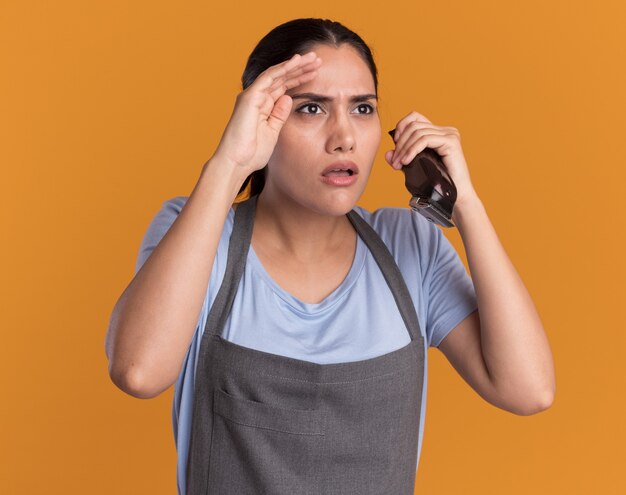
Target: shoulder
x=165 y=217
x=174 y=205
x=171 y=208
x=162 y=221
x=412 y=240
x=167 y=213
x=398 y=225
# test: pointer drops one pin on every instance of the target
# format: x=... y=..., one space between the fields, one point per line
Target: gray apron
x=274 y=425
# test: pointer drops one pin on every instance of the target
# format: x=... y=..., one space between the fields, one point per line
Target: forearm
x=154 y=319
x=514 y=345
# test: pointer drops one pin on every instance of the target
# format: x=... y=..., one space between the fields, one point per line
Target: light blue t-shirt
x=359 y=320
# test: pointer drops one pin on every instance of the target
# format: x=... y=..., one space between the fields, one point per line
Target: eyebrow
x=324 y=99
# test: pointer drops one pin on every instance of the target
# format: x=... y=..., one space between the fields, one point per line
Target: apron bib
x=274 y=425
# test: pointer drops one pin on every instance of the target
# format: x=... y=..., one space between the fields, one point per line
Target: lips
x=341 y=168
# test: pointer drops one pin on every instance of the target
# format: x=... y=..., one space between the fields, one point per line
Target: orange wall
x=107 y=109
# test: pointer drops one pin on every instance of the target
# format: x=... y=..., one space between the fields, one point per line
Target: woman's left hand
x=414 y=133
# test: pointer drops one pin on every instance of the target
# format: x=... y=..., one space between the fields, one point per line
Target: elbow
x=132 y=383
x=540 y=404
x=130 y=379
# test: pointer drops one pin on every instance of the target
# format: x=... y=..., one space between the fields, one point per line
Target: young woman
x=305 y=371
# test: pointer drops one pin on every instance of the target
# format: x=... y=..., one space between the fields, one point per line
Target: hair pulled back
x=282 y=43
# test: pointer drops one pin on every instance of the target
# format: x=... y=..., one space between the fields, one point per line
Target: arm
x=501 y=350
x=154 y=319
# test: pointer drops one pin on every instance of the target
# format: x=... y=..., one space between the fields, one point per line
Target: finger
x=404 y=122
x=415 y=146
x=294 y=63
x=410 y=130
x=281 y=85
x=427 y=140
x=295 y=73
x=292 y=83
x=293 y=79
x=299 y=69
x=276 y=72
x=280 y=113
x=389 y=157
x=409 y=136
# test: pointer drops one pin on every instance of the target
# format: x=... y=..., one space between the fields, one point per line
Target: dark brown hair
x=282 y=43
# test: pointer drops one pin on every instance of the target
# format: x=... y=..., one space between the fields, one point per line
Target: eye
x=308 y=105
x=371 y=108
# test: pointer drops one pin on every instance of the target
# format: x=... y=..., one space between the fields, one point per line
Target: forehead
x=342 y=71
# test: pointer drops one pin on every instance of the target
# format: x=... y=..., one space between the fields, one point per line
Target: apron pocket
x=261 y=448
x=261 y=415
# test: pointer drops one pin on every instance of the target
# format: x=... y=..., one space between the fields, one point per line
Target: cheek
x=292 y=149
x=290 y=139
x=282 y=151
x=290 y=160
x=374 y=142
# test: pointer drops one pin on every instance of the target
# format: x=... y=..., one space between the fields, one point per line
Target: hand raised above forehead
x=260 y=112
x=287 y=74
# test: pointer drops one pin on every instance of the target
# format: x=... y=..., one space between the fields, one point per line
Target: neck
x=299 y=232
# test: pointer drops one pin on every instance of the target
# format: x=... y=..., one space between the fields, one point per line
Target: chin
x=336 y=204
x=330 y=201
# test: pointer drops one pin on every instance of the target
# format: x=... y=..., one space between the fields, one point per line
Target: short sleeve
x=158 y=227
x=450 y=290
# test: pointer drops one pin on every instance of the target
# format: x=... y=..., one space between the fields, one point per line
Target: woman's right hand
x=261 y=111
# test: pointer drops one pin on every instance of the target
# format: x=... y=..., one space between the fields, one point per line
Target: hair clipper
x=433 y=192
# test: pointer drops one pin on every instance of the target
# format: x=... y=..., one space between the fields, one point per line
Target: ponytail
x=255 y=181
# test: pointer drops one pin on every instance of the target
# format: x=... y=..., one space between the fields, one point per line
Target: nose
x=341 y=134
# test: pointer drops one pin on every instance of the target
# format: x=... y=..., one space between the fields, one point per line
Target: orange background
x=107 y=109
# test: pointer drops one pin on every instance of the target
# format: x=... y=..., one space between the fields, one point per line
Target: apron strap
x=391 y=272
x=237 y=254
x=238 y=248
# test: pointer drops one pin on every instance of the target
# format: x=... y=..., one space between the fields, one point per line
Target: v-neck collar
x=330 y=300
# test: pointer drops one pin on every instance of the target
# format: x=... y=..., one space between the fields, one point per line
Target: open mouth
x=339 y=173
